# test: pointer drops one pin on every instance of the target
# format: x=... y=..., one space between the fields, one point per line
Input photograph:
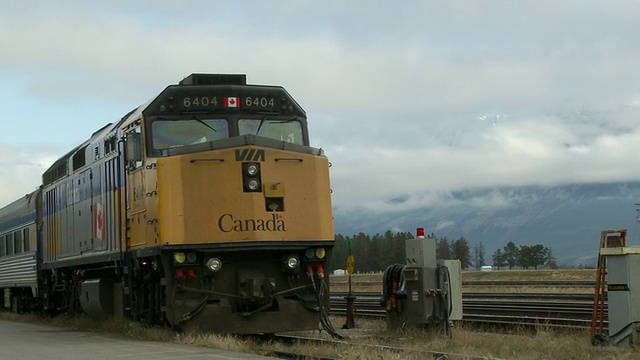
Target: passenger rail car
x=205 y=208
x=18 y=262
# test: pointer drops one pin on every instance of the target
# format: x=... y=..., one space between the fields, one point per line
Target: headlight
x=214 y=264
x=179 y=257
x=251 y=177
x=253 y=184
x=292 y=262
x=191 y=257
x=320 y=253
x=252 y=170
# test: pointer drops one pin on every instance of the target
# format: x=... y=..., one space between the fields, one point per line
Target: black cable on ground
x=321 y=291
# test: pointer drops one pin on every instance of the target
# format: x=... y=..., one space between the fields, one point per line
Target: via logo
x=249 y=155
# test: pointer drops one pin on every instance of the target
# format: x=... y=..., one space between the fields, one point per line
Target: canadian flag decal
x=232 y=102
x=98 y=222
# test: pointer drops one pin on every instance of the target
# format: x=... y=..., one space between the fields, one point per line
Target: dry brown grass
x=531 y=275
x=466 y=343
x=542 y=343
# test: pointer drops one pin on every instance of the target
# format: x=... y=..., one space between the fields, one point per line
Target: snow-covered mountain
x=568 y=219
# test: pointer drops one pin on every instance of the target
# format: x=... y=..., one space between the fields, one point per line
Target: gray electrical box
x=623 y=294
x=419 y=277
x=454 y=267
x=424 y=292
x=419 y=302
x=421 y=252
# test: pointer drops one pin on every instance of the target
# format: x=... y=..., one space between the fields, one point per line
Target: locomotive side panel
x=81 y=211
x=106 y=207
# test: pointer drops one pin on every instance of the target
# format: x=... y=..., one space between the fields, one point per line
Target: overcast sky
x=408 y=99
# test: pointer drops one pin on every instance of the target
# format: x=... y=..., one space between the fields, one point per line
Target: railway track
x=491 y=283
x=564 y=310
x=530 y=283
x=380 y=349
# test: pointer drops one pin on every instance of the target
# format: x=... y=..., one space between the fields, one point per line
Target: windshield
x=175 y=133
x=284 y=130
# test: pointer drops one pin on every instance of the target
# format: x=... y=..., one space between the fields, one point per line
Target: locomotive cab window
x=170 y=133
x=284 y=130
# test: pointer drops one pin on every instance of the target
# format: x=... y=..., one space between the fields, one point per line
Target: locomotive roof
x=61 y=166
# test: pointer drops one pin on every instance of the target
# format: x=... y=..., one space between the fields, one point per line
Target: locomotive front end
x=241 y=252
x=239 y=205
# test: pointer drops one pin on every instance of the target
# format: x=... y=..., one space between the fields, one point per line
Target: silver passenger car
x=18 y=255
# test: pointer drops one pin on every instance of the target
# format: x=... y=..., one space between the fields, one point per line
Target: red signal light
x=180 y=274
x=320 y=271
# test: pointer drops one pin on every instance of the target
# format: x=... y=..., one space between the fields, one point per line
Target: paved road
x=30 y=341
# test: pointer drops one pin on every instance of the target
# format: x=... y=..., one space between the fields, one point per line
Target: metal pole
x=350 y=323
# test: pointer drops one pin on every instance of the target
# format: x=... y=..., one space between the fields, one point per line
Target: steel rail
x=552 y=309
x=383 y=348
x=534 y=283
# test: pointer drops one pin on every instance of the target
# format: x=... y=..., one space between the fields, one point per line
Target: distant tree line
x=460 y=249
x=523 y=256
x=371 y=253
x=375 y=253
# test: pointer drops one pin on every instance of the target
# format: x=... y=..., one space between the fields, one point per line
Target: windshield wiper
x=262 y=121
x=286 y=121
x=204 y=123
x=260 y=125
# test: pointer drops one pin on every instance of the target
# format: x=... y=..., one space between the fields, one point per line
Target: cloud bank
x=412 y=102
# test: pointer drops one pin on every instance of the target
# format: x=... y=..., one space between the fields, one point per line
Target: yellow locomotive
x=204 y=208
